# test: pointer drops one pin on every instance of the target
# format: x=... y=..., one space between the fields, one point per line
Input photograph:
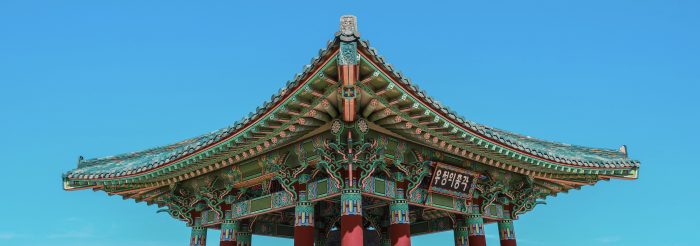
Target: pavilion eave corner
x=351 y=152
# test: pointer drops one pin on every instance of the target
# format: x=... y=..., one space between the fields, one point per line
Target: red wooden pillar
x=303 y=222
x=351 y=231
x=506 y=232
x=400 y=228
x=475 y=227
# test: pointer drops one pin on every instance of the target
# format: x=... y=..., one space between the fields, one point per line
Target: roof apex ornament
x=348 y=28
x=623 y=149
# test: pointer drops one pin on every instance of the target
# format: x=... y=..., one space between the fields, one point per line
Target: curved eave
x=470 y=135
x=129 y=177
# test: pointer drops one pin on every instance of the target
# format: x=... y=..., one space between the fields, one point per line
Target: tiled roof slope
x=136 y=162
x=553 y=151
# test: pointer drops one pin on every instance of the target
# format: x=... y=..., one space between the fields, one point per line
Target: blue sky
x=94 y=78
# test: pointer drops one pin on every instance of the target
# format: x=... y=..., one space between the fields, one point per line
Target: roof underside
x=259 y=128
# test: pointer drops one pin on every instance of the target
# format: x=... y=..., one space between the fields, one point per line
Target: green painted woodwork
x=461 y=233
x=244 y=238
x=506 y=230
x=304 y=212
x=443 y=201
x=250 y=169
x=262 y=203
x=398 y=210
x=573 y=152
x=351 y=202
x=495 y=211
x=209 y=217
x=348 y=53
x=322 y=188
x=198 y=236
x=274 y=229
x=320 y=240
x=106 y=168
x=431 y=226
x=351 y=147
x=265 y=157
x=379 y=186
x=229 y=229
x=286 y=176
x=475 y=224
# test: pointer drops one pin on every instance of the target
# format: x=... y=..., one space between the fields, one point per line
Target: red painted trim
x=362 y=52
x=289 y=94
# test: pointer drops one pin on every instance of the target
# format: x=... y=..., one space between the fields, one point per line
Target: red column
x=303 y=236
x=400 y=227
x=351 y=231
x=400 y=234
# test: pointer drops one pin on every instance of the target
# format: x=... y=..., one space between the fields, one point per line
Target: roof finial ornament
x=623 y=149
x=348 y=28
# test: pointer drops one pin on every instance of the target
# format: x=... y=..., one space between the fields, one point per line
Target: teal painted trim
x=189 y=161
x=506 y=230
x=482 y=142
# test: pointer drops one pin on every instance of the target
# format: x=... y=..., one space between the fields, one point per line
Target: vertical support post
x=303 y=221
x=461 y=232
x=229 y=229
x=348 y=58
x=320 y=240
x=351 y=231
x=400 y=227
x=244 y=237
x=386 y=240
x=506 y=232
x=475 y=226
x=198 y=236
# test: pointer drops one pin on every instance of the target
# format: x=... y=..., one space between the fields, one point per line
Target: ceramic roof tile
x=129 y=163
x=145 y=160
x=566 y=153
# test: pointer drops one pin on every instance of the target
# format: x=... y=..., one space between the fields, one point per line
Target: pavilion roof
x=129 y=164
x=550 y=150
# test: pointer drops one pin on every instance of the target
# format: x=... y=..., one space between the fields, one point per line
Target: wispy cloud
x=72 y=234
x=74 y=231
x=7 y=235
